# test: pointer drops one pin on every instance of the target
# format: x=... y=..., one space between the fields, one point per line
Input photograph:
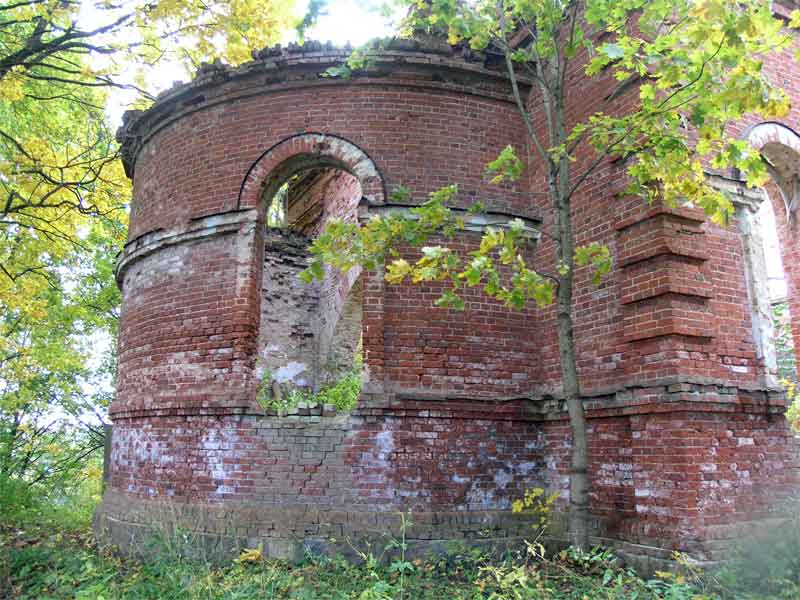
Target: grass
x=49 y=553
x=69 y=565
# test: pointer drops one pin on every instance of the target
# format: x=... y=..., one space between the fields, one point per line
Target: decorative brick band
x=665 y=283
x=197 y=229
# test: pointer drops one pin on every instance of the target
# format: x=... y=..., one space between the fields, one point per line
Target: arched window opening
x=782 y=193
x=777 y=289
x=310 y=336
x=783 y=164
x=276 y=209
x=767 y=222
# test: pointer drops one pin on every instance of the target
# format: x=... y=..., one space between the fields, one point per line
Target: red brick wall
x=668 y=339
x=462 y=456
x=186 y=338
x=423 y=135
x=486 y=350
x=674 y=391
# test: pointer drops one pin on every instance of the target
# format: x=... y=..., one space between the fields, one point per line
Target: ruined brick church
x=460 y=412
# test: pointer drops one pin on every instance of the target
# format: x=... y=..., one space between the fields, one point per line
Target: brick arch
x=779 y=144
x=306 y=150
x=772 y=132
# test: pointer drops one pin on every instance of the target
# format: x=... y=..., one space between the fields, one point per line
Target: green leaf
x=449 y=299
x=397 y=271
x=339 y=72
x=506 y=167
x=400 y=194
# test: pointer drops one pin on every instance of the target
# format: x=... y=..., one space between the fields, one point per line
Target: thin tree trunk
x=578 y=477
x=562 y=202
x=551 y=85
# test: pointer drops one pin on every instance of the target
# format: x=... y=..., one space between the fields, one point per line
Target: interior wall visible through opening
x=310 y=334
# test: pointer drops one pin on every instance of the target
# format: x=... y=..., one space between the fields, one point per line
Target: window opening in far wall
x=310 y=340
x=276 y=211
x=778 y=293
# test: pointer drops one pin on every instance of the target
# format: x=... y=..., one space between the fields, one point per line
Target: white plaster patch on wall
x=291 y=373
x=385 y=444
x=379 y=459
x=153 y=270
x=480 y=498
x=216 y=442
x=536 y=443
x=145 y=449
x=506 y=485
x=502 y=479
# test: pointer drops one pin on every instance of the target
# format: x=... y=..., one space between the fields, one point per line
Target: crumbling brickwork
x=461 y=411
x=288 y=337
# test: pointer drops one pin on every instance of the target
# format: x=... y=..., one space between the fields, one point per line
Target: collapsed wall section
x=310 y=333
x=288 y=344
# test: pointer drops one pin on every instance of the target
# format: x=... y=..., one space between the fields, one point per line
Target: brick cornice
x=403 y=63
x=196 y=230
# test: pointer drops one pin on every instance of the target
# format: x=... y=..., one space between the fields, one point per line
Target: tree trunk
x=551 y=81
x=578 y=476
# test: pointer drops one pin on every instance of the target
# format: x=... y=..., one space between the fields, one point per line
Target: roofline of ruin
x=208 y=88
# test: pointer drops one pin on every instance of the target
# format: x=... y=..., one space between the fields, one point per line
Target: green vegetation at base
x=50 y=554
x=68 y=565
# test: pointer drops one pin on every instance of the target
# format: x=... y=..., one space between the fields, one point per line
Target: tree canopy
x=58 y=61
x=64 y=195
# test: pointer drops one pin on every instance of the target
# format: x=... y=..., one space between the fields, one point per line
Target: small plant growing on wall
x=285 y=397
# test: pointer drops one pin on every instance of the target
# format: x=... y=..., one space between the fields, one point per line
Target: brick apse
x=460 y=411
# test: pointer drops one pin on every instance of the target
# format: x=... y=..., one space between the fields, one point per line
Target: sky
x=344 y=21
x=349 y=20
